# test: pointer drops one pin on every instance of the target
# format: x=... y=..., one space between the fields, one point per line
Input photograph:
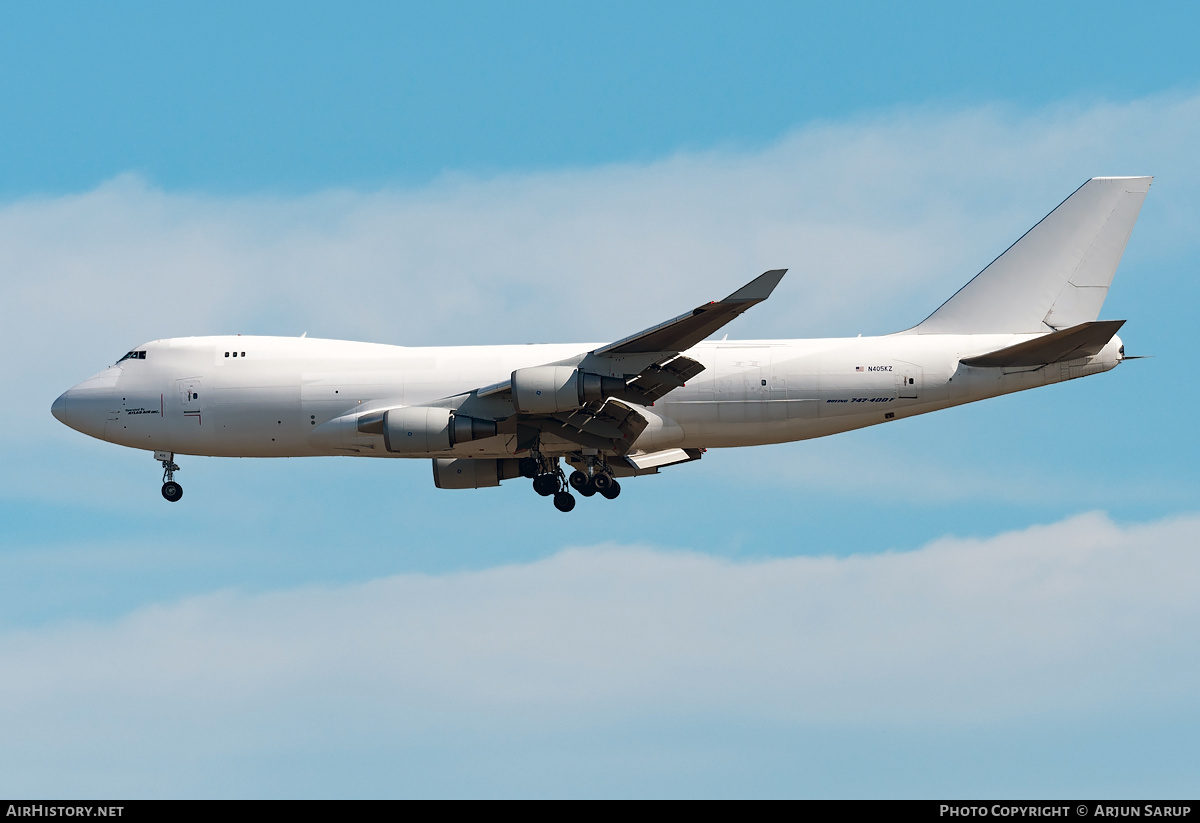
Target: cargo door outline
x=191 y=398
x=741 y=390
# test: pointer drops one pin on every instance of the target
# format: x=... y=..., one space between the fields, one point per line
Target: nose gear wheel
x=171 y=491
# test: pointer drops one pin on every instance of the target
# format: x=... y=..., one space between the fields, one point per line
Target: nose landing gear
x=171 y=491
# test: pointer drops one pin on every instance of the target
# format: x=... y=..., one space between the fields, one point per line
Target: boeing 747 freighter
x=658 y=398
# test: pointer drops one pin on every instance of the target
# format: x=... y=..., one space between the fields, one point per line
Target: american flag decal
x=858 y=368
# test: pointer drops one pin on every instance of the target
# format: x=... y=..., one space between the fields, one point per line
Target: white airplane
x=485 y=414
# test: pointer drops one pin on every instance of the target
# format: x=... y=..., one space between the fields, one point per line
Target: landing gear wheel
x=589 y=488
x=612 y=491
x=545 y=484
x=603 y=481
x=171 y=491
x=529 y=467
x=578 y=480
x=564 y=502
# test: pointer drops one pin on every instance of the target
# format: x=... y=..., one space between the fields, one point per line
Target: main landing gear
x=549 y=480
x=601 y=482
x=595 y=477
x=171 y=490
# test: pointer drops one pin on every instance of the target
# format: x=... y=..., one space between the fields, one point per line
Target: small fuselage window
x=133 y=355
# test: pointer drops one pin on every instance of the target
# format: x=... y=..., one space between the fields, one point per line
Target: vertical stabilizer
x=1057 y=275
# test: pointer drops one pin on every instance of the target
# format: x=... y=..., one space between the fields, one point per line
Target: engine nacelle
x=550 y=389
x=465 y=473
x=423 y=429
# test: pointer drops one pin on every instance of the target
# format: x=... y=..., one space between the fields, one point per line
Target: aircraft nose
x=88 y=406
x=59 y=408
x=82 y=411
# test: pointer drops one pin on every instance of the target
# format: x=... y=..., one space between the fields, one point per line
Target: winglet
x=758 y=289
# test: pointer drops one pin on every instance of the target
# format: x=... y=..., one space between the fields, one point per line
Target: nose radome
x=87 y=406
x=59 y=408
x=84 y=410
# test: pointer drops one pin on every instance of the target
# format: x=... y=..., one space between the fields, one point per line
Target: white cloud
x=942 y=460
x=879 y=220
x=1079 y=619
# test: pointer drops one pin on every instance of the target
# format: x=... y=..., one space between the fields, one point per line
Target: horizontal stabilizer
x=1083 y=340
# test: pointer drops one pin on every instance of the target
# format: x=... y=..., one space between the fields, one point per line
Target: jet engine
x=422 y=429
x=550 y=389
x=465 y=473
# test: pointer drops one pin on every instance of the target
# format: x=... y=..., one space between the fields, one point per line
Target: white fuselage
x=290 y=397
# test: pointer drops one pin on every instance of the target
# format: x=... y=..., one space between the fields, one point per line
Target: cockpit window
x=133 y=355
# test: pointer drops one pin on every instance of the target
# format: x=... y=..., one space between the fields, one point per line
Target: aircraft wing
x=682 y=332
x=640 y=369
x=651 y=361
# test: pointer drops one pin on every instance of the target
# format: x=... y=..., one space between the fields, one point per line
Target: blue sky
x=993 y=600
x=294 y=96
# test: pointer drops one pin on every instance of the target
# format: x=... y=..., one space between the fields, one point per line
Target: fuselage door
x=742 y=389
x=910 y=381
x=192 y=398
